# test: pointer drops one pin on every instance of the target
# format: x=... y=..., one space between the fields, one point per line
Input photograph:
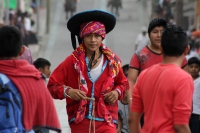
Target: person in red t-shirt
x=163 y=92
x=149 y=55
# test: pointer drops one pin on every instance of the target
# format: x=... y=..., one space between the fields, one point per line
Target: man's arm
x=132 y=77
x=120 y=123
x=134 y=122
x=181 y=128
x=182 y=104
x=121 y=84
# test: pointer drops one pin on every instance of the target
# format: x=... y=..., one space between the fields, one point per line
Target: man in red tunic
x=38 y=109
x=91 y=78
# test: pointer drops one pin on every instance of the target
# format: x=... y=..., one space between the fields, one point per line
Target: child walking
x=194 y=68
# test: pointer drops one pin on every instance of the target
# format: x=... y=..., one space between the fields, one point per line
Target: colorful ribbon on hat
x=94 y=27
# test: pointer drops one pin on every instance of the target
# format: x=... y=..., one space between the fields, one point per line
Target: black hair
x=125 y=69
x=174 y=40
x=93 y=62
x=25 y=14
x=41 y=63
x=194 y=60
x=156 y=22
x=10 y=41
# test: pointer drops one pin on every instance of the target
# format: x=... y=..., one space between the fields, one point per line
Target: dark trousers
x=42 y=130
x=195 y=123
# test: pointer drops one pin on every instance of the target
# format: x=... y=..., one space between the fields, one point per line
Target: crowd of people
x=25 y=21
x=157 y=92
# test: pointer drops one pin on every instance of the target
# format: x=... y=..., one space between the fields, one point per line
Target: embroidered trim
x=95 y=118
x=65 y=88
x=119 y=91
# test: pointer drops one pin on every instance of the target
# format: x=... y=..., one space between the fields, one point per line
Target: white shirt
x=192 y=54
x=196 y=97
x=142 y=41
x=28 y=24
x=95 y=73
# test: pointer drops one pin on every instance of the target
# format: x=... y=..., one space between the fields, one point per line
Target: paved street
x=56 y=46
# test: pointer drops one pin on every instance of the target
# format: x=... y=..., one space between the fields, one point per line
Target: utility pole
x=197 y=15
x=179 y=12
x=38 y=14
x=19 y=4
x=1 y=10
x=48 y=16
x=7 y=11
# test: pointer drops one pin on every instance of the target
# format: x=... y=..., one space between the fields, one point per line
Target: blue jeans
x=195 y=123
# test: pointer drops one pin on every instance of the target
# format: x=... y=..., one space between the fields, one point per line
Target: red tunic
x=38 y=106
x=65 y=74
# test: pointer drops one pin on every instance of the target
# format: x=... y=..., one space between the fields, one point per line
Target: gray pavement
x=56 y=46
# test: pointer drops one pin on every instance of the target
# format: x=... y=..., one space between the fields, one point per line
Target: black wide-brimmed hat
x=75 y=21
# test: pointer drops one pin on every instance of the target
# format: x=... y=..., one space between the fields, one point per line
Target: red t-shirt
x=165 y=98
x=145 y=58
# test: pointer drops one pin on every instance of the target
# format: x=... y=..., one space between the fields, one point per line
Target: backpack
x=10 y=108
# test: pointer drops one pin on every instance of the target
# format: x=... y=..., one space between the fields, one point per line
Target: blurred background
x=43 y=22
x=44 y=30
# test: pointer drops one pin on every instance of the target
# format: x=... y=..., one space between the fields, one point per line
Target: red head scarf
x=92 y=27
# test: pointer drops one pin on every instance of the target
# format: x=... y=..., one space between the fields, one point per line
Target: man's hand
x=120 y=124
x=134 y=122
x=118 y=130
x=181 y=128
x=132 y=77
x=77 y=94
x=111 y=97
